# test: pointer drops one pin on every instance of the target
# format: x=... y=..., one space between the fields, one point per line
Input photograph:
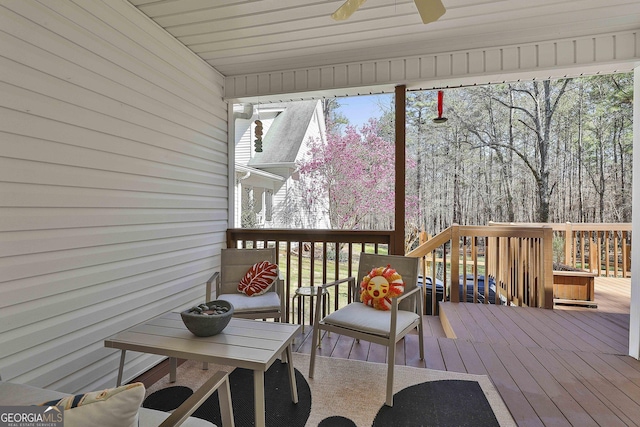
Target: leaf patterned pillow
x=258 y=279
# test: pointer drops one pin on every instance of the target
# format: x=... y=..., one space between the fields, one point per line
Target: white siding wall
x=113 y=185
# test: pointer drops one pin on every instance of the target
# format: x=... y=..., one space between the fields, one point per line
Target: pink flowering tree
x=353 y=175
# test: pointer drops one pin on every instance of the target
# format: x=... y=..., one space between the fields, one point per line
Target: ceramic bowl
x=208 y=319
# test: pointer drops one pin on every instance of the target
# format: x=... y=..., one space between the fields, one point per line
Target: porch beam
x=397 y=247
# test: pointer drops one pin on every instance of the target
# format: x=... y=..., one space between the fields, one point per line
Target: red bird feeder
x=440 y=119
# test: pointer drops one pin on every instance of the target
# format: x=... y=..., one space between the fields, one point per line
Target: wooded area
x=537 y=151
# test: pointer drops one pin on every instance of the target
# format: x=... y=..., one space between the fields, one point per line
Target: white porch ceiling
x=240 y=37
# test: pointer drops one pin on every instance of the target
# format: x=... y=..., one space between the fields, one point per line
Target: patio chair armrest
x=215 y=276
x=320 y=289
x=337 y=282
x=409 y=294
x=415 y=293
x=219 y=381
x=279 y=288
x=351 y=280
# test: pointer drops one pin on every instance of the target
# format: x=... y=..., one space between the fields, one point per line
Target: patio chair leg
x=314 y=347
x=391 y=356
x=421 y=339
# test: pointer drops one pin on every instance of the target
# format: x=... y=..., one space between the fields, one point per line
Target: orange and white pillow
x=380 y=286
x=258 y=279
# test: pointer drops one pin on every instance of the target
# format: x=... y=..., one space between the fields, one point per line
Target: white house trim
x=634 y=320
x=605 y=53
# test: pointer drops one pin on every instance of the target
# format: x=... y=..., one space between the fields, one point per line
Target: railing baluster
x=605 y=252
x=625 y=265
x=574 y=236
x=434 y=285
x=515 y=263
x=615 y=253
x=582 y=249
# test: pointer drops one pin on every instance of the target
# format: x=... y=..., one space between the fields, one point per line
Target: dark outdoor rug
x=454 y=403
x=280 y=410
x=346 y=393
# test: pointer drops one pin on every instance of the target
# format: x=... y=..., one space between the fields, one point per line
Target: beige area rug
x=340 y=386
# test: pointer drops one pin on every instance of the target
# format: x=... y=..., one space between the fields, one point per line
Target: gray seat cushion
x=360 y=317
x=268 y=301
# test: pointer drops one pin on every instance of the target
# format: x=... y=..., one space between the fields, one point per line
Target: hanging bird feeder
x=440 y=119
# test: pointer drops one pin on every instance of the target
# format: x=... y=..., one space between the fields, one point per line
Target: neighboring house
x=268 y=190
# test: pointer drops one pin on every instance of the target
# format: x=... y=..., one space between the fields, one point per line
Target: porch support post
x=546 y=299
x=401 y=113
x=634 y=317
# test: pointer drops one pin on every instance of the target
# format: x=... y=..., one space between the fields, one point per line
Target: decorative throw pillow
x=117 y=407
x=259 y=278
x=379 y=286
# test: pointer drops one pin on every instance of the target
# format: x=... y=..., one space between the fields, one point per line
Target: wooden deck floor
x=561 y=367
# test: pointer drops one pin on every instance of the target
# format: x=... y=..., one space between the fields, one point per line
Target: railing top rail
x=621 y=226
x=354 y=236
x=431 y=244
x=531 y=232
x=577 y=226
x=504 y=231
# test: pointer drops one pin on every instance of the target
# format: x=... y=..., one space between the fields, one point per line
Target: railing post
x=568 y=243
x=546 y=299
x=397 y=243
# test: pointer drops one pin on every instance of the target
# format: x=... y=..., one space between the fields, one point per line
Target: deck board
x=472 y=362
x=433 y=354
x=593 y=408
x=566 y=366
x=519 y=406
x=552 y=388
x=452 y=358
x=528 y=384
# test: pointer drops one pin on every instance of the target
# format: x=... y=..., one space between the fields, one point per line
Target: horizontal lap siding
x=113 y=185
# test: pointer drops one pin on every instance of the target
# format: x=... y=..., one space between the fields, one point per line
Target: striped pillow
x=258 y=279
x=117 y=407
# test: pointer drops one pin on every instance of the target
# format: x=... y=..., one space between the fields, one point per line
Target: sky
x=359 y=109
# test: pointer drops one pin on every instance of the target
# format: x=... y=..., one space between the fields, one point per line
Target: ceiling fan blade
x=347 y=9
x=430 y=10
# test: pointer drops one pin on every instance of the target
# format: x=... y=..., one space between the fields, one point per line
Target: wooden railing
x=313 y=257
x=518 y=259
x=602 y=248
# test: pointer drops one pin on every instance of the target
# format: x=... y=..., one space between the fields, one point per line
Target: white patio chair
x=233 y=266
x=363 y=322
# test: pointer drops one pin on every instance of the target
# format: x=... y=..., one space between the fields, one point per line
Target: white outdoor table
x=244 y=343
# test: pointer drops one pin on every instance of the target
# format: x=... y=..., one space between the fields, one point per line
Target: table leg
x=173 y=369
x=258 y=395
x=301 y=300
x=120 y=368
x=292 y=376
